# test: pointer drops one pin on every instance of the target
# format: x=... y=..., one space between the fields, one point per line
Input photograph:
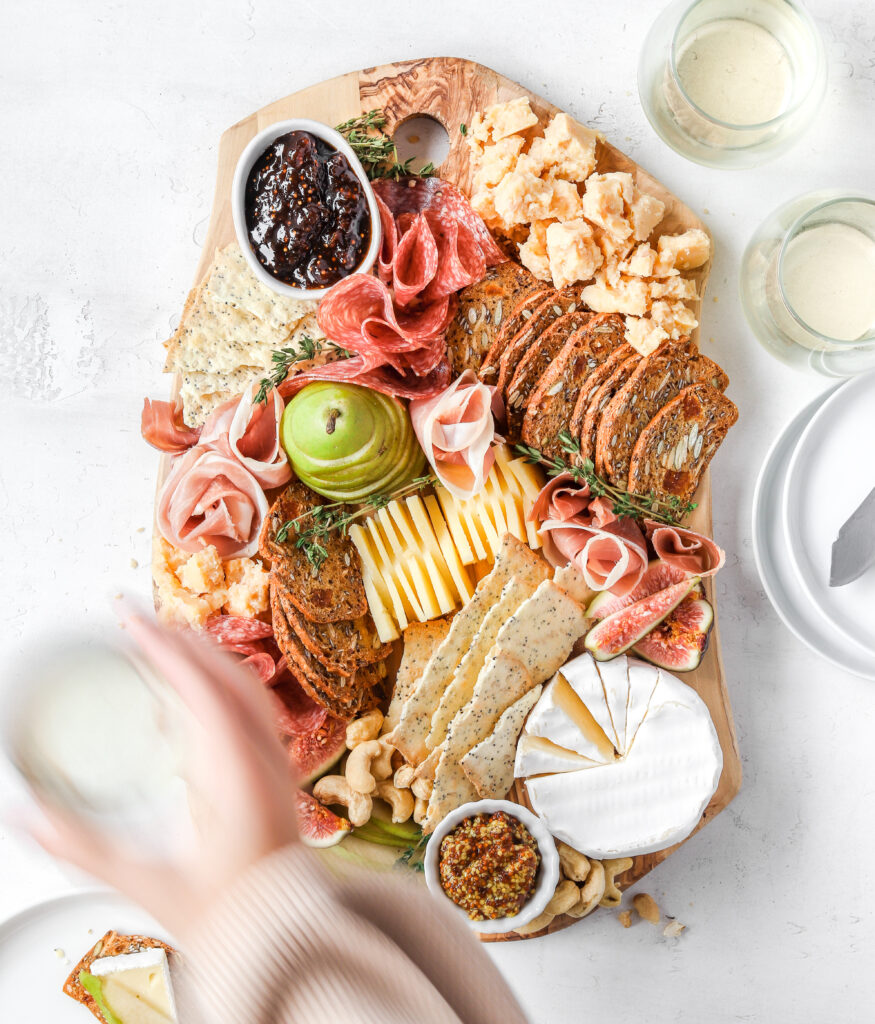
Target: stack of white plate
x=814 y=477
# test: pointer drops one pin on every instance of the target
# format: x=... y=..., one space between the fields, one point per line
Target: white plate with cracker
x=40 y=945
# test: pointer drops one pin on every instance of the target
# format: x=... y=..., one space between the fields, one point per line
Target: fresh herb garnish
x=285 y=358
x=412 y=857
x=638 y=506
x=376 y=150
x=318 y=523
x=463 y=128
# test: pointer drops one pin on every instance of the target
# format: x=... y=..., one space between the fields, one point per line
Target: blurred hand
x=241 y=788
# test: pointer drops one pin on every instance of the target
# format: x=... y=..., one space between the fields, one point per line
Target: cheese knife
x=853 y=551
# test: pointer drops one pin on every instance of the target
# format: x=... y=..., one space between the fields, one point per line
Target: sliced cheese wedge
x=561 y=717
x=424 y=549
x=426 y=516
x=615 y=683
x=647 y=800
x=538 y=756
x=584 y=678
x=408 y=568
x=643 y=680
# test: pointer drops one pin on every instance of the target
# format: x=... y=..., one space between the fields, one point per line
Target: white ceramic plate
x=32 y=973
x=773 y=558
x=828 y=476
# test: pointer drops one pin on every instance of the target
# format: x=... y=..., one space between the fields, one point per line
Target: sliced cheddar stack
x=620 y=758
x=420 y=555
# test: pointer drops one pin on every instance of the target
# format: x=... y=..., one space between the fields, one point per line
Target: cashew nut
x=334 y=789
x=573 y=863
x=401 y=800
x=381 y=766
x=422 y=788
x=536 y=925
x=358 y=766
x=647 y=907
x=592 y=891
x=365 y=728
x=564 y=898
x=404 y=776
x=420 y=810
x=613 y=867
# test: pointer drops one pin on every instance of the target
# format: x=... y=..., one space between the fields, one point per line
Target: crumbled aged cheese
x=203 y=572
x=176 y=604
x=484 y=203
x=645 y=212
x=564 y=201
x=520 y=198
x=570 y=148
x=640 y=263
x=572 y=251
x=673 y=317
x=533 y=252
x=643 y=334
x=248 y=587
x=501 y=120
x=628 y=295
x=683 y=288
x=682 y=252
x=604 y=202
x=497 y=161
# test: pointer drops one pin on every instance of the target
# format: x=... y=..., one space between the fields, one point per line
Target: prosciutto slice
x=609 y=551
x=163 y=427
x=210 y=498
x=456 y=430
x=693 y=553
x=253 y=437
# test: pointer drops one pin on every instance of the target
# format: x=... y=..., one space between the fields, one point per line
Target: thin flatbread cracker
x=230 y=280
x=518 y=588
x=489 y=765
x=415 y=723
x=570 y=579
x=502 y=681
x=420 y=640
x=542 y=631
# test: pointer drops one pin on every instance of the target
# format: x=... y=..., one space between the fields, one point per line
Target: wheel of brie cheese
x=620 y=758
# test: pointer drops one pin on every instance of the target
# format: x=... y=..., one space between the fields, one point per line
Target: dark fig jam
x=306 y=212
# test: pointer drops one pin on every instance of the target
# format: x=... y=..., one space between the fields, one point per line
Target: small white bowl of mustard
x=494 y=895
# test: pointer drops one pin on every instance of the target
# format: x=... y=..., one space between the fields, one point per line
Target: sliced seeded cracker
x=550 y=409
x=675 y=447
x=420 y=641
x=657 y=380
x=343 y=646
x=332 y=593
x=410 y=734
x=517 y=380
x=481 y=313
x=502 y=681
x=489 y=765
x=597 y=404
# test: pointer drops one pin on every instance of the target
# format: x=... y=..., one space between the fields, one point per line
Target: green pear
x=345 y=441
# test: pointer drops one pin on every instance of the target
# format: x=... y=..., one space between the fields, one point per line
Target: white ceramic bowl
x=238 y=198
x=548 y=874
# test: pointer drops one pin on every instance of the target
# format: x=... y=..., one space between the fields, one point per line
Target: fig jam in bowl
x=304 y=211
x=495 y=862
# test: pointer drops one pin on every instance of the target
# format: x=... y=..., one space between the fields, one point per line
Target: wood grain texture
x=452 y=90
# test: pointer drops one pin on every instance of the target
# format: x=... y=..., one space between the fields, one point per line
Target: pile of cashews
x=369 y=773
x=584 y=884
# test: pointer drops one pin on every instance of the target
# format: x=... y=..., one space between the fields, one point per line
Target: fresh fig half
x=316 y=738
x=680 y=640
x=319 y=827
x=622 y=630
x=657 y=576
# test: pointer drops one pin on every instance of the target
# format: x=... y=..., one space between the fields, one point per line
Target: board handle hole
x=422 y=140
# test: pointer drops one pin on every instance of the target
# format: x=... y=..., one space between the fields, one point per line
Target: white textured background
x=111 y=116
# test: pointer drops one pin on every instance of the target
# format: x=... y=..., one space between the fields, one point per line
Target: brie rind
x=643 y=680
x=538 y=756
x=615 y=684
x=139 y=982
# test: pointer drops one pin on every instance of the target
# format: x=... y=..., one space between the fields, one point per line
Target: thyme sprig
x=285 y=358
x=377 y=150
x=412 y=857
x=315 y=526
x=669 y=510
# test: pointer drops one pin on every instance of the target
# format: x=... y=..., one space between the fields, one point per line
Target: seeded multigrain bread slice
x=533 y=311
x=551 y=406
x=566 y=301
x=676 y=446
x=604 y=393
x=483 y=308
x=334 y=592
x=517 y=389
x=658 y=379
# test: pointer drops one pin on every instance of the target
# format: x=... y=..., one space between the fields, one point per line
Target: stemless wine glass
x=730 y=83
x=807 y=283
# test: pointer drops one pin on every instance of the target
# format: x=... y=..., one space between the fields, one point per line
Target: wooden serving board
x=451 y=91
